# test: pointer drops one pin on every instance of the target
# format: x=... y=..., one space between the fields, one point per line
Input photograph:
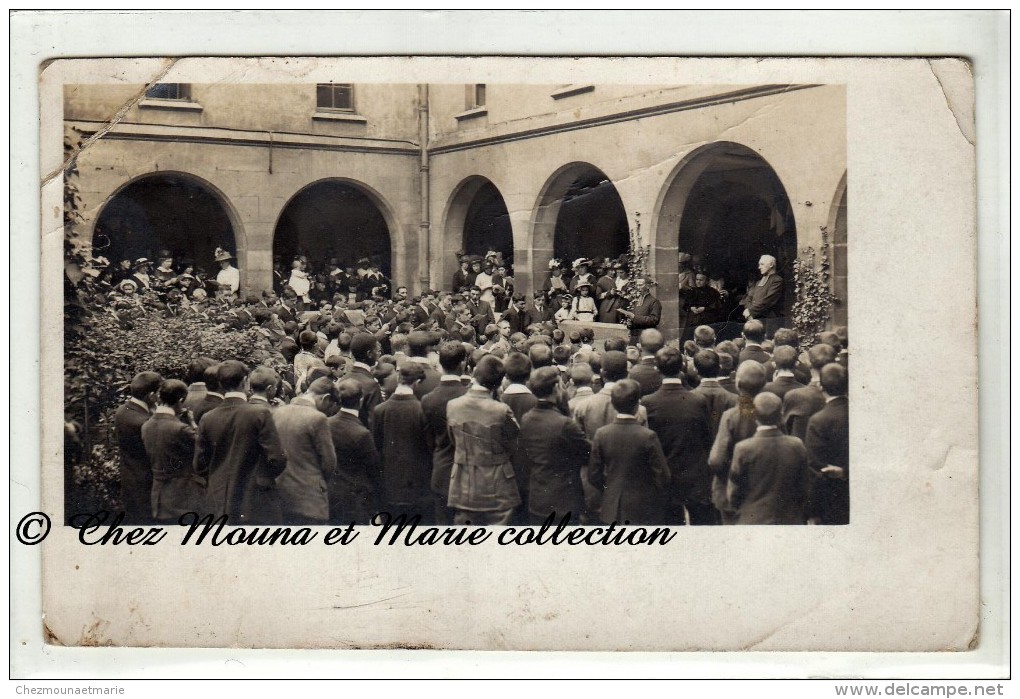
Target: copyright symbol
x=33 y=528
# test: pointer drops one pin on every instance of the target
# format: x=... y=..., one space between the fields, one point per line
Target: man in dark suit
x=538 y=311
x=828 y=446
x=628 y=465
x=738 y=423
x=452 y=357
x=769 y=479
x=764 y=300
x=421 y=312
x=213 y=396
x=801 y=403
x=404 y=443
x=754 y=334
x=515 y=315
x=135 y=467
x=311 y=459
x=646 y=371
x=555 y=449
x=706 y=363
x=364 y=352
x=646 y=310
x=169 y=437
x=791 y=338
x=681 y=420
x=239 y=453
x=783 y=380
x=418 y=343
x=480 y=310
x=356 y=480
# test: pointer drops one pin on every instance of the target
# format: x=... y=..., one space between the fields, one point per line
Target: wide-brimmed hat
x=140 y=262
x=221 y=255
x=582 y=261
x=126 y=283
x=582 y=285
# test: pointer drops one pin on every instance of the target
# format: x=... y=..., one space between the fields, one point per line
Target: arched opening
x=332 y=220
x=838 y=228
x=172 y=212
x=487 y=224
x=579 y=214
x=725 y=208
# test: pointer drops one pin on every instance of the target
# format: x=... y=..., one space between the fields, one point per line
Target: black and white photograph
x=463 y=304
x=422 y=353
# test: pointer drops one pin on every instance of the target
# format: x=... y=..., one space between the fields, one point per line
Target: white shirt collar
x=258 y=398
x=403 y=390
x=163 y=410
x=449 y=378
x=709 y=382
x=516 y=389
x=364 y=366
x=350 y=411
x=782 y=372
x=623 y=416
x=139 y=402
x=672 y=382
x=235 y=394
x=584 y=391
x=766 y=428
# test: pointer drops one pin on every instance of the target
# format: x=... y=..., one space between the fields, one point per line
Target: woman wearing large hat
x=582 y=273
x=229 y=277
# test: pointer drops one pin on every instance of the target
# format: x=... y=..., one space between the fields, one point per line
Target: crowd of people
x=472 y=405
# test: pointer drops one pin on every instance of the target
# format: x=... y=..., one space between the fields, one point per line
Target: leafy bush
x=814 y=297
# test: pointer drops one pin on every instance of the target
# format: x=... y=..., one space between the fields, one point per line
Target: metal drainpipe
x=425 y=226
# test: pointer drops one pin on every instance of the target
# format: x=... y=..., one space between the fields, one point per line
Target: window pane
x=479 y=95
x=169 y=91
x=343 y=97
x=324 y=96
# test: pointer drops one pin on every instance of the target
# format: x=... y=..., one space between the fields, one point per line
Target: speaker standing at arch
x=764 y=299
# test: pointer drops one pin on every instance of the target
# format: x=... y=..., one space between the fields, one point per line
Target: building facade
x=410 y=174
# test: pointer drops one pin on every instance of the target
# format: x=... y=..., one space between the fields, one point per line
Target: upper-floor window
x=169 y=91
x=477 y=96
x=335 y=96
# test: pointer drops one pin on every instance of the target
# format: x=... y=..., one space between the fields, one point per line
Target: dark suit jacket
x=769 y=479
x=555 y=449
x=681 y=419
x=765 y=301
x=516 y=319
x=207 y=404
x=627 y=463
x=521 y=404
x=419 y=315
x=783 y=385
x=481 y=315
x=647 y=374
x=798 y=407
x=532 y=315
x=404 y=443
x=434 y=406
x=371 y=393
x=240 y=454
x=429 y=383
x=828 y=443
x=170 y=444
x=356 y=481
x=754 y=353
x=135 y=470
x=646 y=314
x=719 y=401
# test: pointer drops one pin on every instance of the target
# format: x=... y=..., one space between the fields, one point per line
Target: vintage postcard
x=630 y=354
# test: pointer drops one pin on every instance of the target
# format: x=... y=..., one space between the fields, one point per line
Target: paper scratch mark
x=949 y=102
x=117 y=118
x=368 y=604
